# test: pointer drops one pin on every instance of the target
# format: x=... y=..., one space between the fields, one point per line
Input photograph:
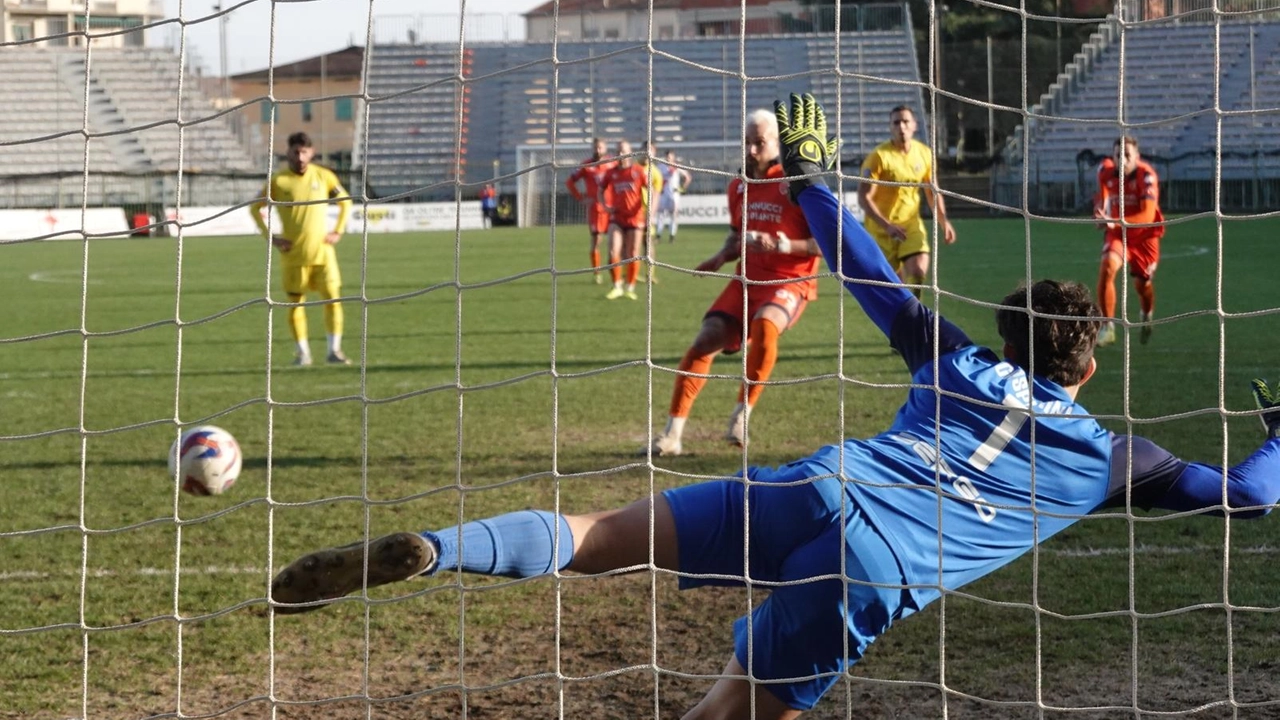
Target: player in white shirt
x=675 y=180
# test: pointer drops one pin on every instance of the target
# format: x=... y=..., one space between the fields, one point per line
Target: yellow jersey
x=304 y=225
x=900 y=205
x=655 y=180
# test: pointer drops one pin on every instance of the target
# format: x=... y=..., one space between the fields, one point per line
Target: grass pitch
x=494 y=376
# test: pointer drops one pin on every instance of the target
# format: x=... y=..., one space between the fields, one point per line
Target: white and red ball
x=206 y=459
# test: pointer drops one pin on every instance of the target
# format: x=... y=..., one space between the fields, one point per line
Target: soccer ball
x=206 y=458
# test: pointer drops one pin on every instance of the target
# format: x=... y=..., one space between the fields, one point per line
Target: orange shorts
x=791 y=298
x=597 y=218
x=630 y=222
x=1143 y=255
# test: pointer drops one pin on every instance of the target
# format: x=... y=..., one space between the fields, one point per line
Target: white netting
x=158 y=602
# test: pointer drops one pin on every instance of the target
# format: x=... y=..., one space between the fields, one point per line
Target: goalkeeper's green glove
x=1269 y=403
x=806 y=149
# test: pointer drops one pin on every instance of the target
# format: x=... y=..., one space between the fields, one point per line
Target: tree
x=964 y=28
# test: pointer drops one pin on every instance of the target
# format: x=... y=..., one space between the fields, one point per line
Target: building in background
x=630 y=19
x=305 y=101
x=24 y=20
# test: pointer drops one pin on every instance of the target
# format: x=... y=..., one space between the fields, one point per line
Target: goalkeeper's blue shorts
x=796 y=538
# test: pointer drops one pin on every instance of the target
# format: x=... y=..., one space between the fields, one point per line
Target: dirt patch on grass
x=499 y=657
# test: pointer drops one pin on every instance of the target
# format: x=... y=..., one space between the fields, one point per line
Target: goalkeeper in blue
x=863 y=534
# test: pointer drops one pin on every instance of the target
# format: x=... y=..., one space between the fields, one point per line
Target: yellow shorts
x=895 y=252
x=324 y=279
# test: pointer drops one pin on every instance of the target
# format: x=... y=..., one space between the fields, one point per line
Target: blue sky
x=304 y=28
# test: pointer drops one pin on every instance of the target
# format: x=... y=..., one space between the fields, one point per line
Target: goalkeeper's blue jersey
x=959 y=498
x=983 y=461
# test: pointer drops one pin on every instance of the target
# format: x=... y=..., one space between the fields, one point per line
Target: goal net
x=490 y=374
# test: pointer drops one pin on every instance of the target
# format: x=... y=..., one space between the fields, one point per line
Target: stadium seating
x=133 y=79
x=413 y=127
x=1169 y=86
x=36 y=110
x=516 y=97
x=126 y=88
x=46 y=91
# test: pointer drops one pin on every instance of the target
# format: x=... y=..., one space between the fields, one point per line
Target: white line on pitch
x=1148 y=550
x=67 y=277
x=148 y=372
x=48 y=374
x=1195 y=251
x=1157 y=550
x=136 y=572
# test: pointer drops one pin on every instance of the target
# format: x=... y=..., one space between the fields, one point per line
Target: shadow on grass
x=352 y=340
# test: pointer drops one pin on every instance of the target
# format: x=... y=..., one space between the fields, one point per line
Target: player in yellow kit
x=307 y=257
x=650 y=192
x=893 y=211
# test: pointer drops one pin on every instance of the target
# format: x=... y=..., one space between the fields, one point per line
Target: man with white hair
x=769 y=237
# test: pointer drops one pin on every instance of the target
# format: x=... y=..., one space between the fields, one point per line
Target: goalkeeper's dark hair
x=1057 y=347
x=300 y=139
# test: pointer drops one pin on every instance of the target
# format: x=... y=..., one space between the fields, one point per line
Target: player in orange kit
x=775 y=245
x=623 y=192
x=590 y=173
x=1123 y=242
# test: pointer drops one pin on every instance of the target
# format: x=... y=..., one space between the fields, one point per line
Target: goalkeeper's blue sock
x=518 y=545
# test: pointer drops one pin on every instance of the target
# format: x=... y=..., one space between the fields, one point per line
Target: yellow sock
x=298 y=319
x=333 y=318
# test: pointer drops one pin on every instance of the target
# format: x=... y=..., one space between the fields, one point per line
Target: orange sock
x=1107 y=289
x=595 y=258
x=762 y=355
x=615 y=272
x=1146 y=295
x=633 y=272
x=687 y=387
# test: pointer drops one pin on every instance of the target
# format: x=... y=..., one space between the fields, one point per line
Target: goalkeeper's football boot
x=1145 y=335
x=1107 y=335
x=301 y=360
x=337 y=357
x=336 y=572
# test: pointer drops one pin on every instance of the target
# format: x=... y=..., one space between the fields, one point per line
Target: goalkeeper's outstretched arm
x=846 y=246
x=1155 y=479
x=848 y=249
x=1159 y=480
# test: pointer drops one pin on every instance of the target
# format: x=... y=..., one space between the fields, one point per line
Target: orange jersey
x=591 y=177
x=1141 y=198
x=769 y=209
x=628 y=185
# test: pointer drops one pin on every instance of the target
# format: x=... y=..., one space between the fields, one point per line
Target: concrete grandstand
x=425 y=128
x=138 y=131
x=1167 y=101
